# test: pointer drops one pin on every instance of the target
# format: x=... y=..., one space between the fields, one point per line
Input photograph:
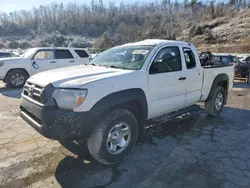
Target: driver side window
x=167 y=60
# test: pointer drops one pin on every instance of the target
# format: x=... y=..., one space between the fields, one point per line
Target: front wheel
x=114 y=137
x=16 y=78
x=215 y=104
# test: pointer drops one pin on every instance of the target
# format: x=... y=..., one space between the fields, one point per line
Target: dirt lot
x=194 y=150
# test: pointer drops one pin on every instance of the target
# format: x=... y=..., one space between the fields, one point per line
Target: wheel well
x=24 y=70
x=223 y=84
x=135 y=107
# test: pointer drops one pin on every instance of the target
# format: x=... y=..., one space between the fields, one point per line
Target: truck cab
x=110 y=101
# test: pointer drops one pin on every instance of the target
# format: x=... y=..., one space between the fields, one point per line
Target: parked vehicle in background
x=206 y=58
x=111 y=100
x=242 y=69
x=225 y=59
x=16 y=70
x=246 y=59
x=7 y=54
x=212 y=59
x=241 y=58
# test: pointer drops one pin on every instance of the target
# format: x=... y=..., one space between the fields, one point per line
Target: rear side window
x=63 y=54
x=189 y=58
x=82 y=53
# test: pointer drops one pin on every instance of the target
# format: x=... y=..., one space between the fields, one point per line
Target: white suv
x=16 y=70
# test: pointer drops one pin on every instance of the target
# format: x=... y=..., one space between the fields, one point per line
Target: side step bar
x=167 y=117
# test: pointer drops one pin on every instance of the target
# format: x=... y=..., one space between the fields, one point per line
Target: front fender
x=120 y=97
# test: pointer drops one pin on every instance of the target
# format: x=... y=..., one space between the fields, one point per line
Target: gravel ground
x=194 y=150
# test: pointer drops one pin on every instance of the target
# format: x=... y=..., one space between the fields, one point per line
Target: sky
x=12 y=5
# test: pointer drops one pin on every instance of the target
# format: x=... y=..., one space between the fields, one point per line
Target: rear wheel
x=16 y=78
x=215 y=104
x=114 y=137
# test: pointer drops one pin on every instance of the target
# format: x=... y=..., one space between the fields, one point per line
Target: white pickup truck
x=110 y=101
x=16 y=70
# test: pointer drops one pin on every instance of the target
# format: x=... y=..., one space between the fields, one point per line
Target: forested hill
x=106 y=25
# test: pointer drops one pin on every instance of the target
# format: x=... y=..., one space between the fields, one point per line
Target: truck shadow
x=156 y=147
x=172 y=128
x=71 y=172
x=12 y=93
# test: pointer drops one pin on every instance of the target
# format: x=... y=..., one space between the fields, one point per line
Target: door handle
x=52 y=62
x=71 y=61
x=182 y=78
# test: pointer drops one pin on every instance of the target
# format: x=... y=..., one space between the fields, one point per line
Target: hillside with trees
x=104 y=25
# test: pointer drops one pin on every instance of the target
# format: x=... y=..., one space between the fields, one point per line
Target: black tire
x=12 y=73
x=210 y=106
x=97 y=142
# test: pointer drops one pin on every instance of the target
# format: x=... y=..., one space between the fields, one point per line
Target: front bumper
x=58 y=124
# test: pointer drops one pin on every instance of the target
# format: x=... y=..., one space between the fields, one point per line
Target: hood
x=75 y=76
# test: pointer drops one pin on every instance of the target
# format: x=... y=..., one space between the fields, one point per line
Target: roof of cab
x=157 y=42
x=59 y=48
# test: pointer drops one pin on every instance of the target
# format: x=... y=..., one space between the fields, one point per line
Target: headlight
x=69 y=98
x=1 y=63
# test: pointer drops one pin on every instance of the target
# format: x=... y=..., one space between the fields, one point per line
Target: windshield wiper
x=115 y=67
x=94 y=64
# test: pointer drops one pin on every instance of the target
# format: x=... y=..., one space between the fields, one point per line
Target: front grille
x=33 y=91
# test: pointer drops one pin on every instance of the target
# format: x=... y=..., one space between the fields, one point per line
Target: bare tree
x=124 y=23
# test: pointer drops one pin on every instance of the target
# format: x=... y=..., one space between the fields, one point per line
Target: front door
x=43 y=60
x=166 y=88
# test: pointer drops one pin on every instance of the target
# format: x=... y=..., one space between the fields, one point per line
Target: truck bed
x=209 y=74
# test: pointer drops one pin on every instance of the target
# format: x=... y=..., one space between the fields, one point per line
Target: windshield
x=28 y=53
x=13 y=55
x=124 y=57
